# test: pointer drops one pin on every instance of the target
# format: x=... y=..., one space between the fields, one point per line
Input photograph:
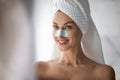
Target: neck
x=73 y=57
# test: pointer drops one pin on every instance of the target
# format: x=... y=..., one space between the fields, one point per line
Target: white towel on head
x=71 y=8
x=79 y=12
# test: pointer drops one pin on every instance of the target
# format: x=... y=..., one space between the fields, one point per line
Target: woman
x=71 y=26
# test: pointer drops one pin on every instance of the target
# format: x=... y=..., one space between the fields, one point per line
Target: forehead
x=61 y=17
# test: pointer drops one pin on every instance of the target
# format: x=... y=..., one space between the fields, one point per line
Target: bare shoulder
x=41 y=65
x=105 y=72
x=41 y=68
x=44 y=67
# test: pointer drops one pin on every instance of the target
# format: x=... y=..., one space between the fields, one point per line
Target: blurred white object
x=16 y=55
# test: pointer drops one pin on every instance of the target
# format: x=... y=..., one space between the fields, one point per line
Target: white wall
x=42 y=22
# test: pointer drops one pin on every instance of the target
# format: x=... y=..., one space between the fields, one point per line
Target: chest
x=76 y=74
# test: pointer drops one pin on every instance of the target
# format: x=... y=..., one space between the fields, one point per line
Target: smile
x=62 y=42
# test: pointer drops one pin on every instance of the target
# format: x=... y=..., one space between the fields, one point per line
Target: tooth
x=62 y=41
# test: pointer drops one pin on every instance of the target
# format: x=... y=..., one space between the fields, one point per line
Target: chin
x=63 y=48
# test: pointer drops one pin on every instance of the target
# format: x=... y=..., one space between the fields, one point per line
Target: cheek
x=74 y=37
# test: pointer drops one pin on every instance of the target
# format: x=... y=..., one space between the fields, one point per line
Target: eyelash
x=55 y=27
x=68 y=27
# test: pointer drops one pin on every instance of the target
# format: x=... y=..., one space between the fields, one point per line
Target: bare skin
x=72 y=64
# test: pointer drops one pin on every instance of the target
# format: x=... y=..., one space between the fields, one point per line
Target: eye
x=68 y=27
x=55 y=27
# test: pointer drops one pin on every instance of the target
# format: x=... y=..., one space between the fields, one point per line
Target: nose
x=61 y=33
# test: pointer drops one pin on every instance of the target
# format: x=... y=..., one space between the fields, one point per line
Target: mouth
x=62 y=42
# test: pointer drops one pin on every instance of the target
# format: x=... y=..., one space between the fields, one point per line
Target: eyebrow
x=65 y=23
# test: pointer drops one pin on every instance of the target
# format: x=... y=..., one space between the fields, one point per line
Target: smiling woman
x=66 y=32
x=76 y=37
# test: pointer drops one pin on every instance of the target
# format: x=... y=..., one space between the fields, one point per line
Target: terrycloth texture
x=75 y=12
x=79 y=12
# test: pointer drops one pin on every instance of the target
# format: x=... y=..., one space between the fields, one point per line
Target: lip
x=62 y=41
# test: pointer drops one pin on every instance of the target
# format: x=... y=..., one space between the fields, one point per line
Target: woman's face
x=62 y=21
